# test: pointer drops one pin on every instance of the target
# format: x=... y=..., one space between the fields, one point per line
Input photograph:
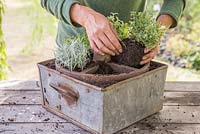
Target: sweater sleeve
x=174 y=8
x=60 y=8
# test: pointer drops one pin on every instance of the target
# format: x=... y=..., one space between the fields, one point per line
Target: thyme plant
x=144 y=29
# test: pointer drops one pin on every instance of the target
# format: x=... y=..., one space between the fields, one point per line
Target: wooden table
x=22 y=113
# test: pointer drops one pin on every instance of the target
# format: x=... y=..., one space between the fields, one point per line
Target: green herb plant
x=145 y=30
x=74 y=53
x=142 y=27
x=122 y=28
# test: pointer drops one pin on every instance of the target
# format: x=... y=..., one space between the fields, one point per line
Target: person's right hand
x=102 y=36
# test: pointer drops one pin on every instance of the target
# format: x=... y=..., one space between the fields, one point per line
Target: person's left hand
x=150 y=54
x=166 y=21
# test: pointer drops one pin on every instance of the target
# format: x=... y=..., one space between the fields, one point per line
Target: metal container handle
x=67 y=93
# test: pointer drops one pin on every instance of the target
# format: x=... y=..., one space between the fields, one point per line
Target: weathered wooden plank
x=68 y=128
x=27 y=113
x=41 y=128
x=171 y=98
x=34 y=85
x=152 y=128
x=35 y=113
x=182 y=86
x=176 y=114
x=34 y=97
x=19 y=85
x=182 y=98
x=20 y=97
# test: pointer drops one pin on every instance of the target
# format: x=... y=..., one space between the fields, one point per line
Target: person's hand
x=102 y=36
x=149 y=54
x=166 y=21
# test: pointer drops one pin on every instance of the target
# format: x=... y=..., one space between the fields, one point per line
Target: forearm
x=59 y=8
x=79 y=14
x=172 y=8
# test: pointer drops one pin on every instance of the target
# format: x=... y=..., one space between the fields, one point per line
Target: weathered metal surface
x=62 y=115
x=103 y=110
x=132 y=101
x=70 y=95
x=88 y=108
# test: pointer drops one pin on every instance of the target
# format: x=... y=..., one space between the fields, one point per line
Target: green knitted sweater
x=61 y=9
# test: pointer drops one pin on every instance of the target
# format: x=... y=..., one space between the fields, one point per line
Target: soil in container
x=133 y=52
x=108 y=74
x=105 y=69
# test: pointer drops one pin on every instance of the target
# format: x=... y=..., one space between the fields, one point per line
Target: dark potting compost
x=105 y=69
x=133 y=52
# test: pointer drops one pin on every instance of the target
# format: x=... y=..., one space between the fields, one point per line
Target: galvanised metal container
x=103 y=110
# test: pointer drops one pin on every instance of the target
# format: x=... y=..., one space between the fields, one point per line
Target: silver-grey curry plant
x=74 y=53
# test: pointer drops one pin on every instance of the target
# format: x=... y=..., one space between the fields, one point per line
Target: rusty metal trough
x=103 y=110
